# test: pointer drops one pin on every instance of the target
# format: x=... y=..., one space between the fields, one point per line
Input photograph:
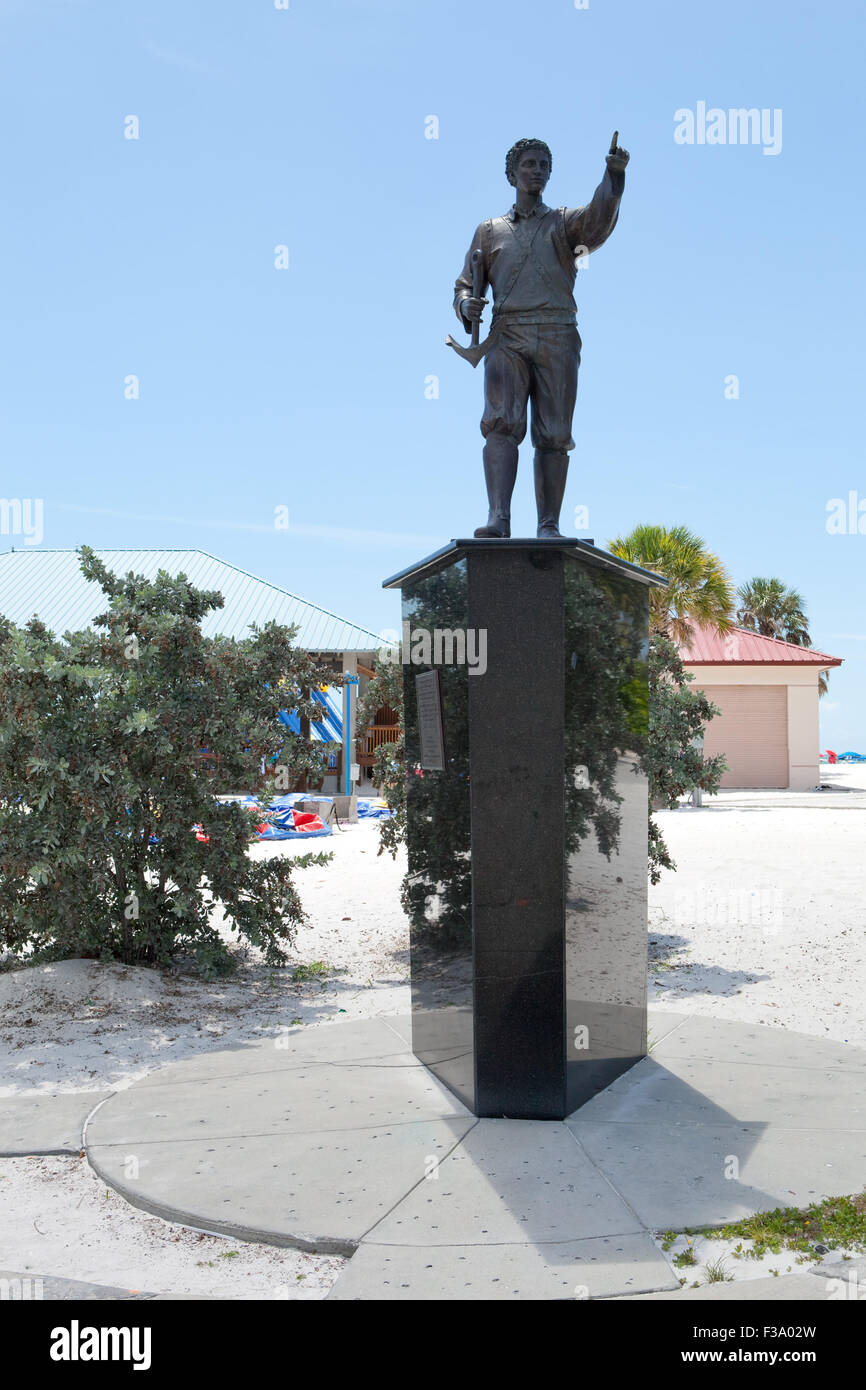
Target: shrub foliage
x=113 y=742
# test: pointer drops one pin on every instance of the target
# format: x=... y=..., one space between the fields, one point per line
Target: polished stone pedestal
x=525 y=683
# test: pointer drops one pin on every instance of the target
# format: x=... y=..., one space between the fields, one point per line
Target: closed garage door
x=752 y=732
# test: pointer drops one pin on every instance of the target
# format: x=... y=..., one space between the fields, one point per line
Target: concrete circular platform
x=336 y=1139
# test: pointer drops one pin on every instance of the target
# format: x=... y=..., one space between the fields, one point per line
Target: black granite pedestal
x=526 y=704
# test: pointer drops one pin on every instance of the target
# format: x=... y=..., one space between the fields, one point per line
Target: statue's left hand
x=617 y=158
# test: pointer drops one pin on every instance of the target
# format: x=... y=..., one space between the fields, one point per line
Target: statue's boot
x=500 y=474
x=551 y=471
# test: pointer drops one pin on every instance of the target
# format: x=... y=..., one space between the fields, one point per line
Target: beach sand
x=763 y=922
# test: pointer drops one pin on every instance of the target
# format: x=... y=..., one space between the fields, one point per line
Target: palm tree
x=769 y=607
x=699 y=589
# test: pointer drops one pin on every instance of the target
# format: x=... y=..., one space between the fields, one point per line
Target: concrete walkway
x=338 y=1140
x=45 y=1123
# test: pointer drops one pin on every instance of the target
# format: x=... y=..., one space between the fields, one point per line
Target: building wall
x=751 y=731
x=803 y=734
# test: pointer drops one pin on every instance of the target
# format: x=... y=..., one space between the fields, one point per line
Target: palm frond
x=699 y=589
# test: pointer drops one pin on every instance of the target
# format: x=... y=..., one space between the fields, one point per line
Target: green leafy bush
x=113 y=743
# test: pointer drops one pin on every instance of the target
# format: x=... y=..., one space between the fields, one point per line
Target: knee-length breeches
x=534 y=362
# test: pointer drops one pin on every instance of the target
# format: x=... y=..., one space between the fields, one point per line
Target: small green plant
x=312 y=971
x=685 y=1257
x=311 y=859
x=837 y=1221
x=716 y=1272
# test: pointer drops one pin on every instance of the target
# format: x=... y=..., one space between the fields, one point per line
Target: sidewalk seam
x=409 y=1191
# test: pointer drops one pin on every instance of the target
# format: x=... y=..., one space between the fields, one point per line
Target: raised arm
x=591 y=226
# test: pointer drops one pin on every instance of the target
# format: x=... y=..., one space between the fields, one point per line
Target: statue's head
x=528 y=165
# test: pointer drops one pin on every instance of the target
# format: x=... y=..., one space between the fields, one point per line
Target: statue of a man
x=528 y=259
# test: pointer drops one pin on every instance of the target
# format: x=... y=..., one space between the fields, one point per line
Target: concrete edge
x=65 y=1152
x=252 y=1235
x=781 y=1289
x=314 y=1245
x=311 y=1244
x=43 y=1153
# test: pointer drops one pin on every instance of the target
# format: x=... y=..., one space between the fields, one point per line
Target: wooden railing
x=374 y=737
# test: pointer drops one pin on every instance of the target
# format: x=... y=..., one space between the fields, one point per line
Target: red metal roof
x=741 y=648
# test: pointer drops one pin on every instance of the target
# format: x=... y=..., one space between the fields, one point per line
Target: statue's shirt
x=529 y=258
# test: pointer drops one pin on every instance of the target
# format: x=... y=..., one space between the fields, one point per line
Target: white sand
x=764 y=919
x=763 y=922
x=60 y=1219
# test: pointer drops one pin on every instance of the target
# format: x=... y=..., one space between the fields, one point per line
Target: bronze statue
x=532 y=352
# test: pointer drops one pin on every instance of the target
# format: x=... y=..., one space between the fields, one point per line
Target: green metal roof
x=50 y=583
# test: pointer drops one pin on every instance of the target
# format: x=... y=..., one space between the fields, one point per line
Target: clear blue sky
x=305 y=387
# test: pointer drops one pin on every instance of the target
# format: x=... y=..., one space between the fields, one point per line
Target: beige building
x=767 y=691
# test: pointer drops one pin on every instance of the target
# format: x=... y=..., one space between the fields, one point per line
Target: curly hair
x=512 y=159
